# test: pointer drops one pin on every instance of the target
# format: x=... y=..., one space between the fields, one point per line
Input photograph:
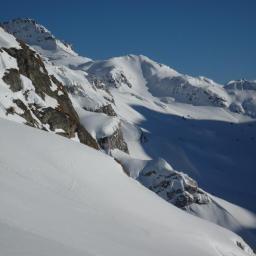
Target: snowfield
x=60 y=198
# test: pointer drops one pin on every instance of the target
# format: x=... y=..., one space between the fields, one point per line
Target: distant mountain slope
x=159 y=80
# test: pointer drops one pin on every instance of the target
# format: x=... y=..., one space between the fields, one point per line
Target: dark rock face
x=174 y=187
x=116 y=140
x=27 y=114
x=12 y=78
x=63 y=116
x=31 y=66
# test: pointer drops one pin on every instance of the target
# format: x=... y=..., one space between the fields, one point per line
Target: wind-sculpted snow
x=103 y=128
x=84 y=204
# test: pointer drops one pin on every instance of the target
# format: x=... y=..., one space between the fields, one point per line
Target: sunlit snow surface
x=59 y=197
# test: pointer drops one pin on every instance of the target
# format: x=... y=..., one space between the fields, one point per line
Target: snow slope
x=7 y=40
x=60 y=197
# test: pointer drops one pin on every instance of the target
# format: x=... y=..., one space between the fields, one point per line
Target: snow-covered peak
x=142 y=76
x=133 y=63
x=29 y=31
x=44 y=42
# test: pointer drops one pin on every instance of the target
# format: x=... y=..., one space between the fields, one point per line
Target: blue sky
x=213 y=38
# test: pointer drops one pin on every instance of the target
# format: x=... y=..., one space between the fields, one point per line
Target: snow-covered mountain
x=189 y=140
x=159 y=80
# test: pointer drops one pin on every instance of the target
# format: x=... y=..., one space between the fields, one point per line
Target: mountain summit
x=29 y=31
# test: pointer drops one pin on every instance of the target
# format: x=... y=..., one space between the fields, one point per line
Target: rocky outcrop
x=174 y=187
x=116 y=79
x=106 y=109
x=114 y=141
x=45 y=103
x=12 y=78
x=107 y=76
